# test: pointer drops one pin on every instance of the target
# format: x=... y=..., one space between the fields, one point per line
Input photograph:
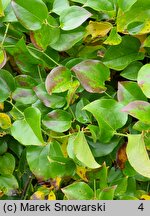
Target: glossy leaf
x=78 y=191
x=128 y=92
x=139 y=110
x=137 y=154
x=73 y=17
x=48 y=34
x=109 y=116
x=92 y=74
x=68 y=39
x=120 y=56
x=7 y=164
x=144 y=79
x=25 y=130
x=54 y=101
x=24 y=96
x=30 y=13
x=57 y=120
x=58 y=80
x=126 y=4
x=5 y=121
x=7 y=85
x=48 y=161
x=59 y=6
x=104 y=5
x=79 y=149
x=131 y=71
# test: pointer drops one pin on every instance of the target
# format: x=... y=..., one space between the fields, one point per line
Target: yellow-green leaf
x=5 y=121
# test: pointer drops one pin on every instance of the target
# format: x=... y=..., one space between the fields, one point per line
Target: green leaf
x=100 y=149
x=24 y=96
x=30 y=13
x=139 y=110
x=121 y=186
x=8 y=184
x=125 y=5
x=48 y=161
x=81 y=115
x=68 y=39
x=92 y=74
x=143 y=79
x=25 y=130
x=54 y=101
x=109 y=116
x=73 y=17
x=107 y=193
x=134 y=15
x=57 y=120
x=48 y=34
x=7 y=164
x=7 y=85
x=137 y=154
x=114 y=38
x=3 y=58
x=78 y=191
x=78 y=149
x=131 y=71
x=1 y=9
x=58 y=80
x=128 y=92
x=59 y=6
x=3 y=146
x=104 y=5
x=147 y=42
x=120 y=56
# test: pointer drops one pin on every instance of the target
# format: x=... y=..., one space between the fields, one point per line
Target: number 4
x=141 y=207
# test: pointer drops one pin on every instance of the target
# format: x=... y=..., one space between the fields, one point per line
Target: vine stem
x=120 y=134
x=5 y=34
x=15 y=107
x=27 y=187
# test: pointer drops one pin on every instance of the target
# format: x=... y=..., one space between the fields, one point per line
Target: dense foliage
x=74 y=99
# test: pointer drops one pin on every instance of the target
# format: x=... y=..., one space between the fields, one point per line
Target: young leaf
x=120 y=56
x=78 y=191
x=137 y=154
x=30 y=13
x=79 y=149
x=73 y=17
x=143 y=79
x=58 y=80
x=57 y=120
x=109 y=116
x=92 y=74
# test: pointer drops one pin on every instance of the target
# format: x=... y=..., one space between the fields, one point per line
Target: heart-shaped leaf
x=58 y=80
x=30 y=13
x=137 y=154
x=92 y=74
x=120 y=56
x=109 y=116
x=57 y=120
x=25 y=130
x=73 y=17
x=78 y=149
